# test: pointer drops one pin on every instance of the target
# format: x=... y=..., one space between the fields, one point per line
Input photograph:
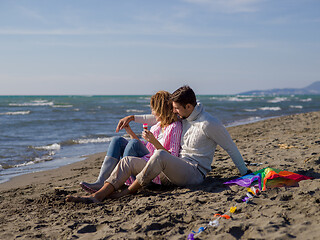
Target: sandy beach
x=33 y=205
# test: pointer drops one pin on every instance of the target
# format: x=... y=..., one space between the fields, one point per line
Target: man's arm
x=217 y=132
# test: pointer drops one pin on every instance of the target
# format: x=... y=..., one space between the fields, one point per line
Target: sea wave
x=86 y=140
x=62 y=106
x=306 y=100
x=278 y=99
x=33 y=103
x=16 y=113
x=35 y=161
x=244 y=121
x=238 y=99
x=144 y=98
x=93 y=140
x=270 y=108
x=134 y=111
x=233 y=99
x=250 y=110
x=55 y=146
x=52 y=149
x=296 y=106
x=22 y=164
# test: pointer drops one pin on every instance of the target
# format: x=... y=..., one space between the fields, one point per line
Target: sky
x=137 y=47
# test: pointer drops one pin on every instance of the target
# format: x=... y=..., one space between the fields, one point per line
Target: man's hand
x=124 y=122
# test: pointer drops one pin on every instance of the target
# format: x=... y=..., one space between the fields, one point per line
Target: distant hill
x=313 y=88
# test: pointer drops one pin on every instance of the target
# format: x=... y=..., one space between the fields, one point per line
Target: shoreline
x=33 y=205
x=32 y=178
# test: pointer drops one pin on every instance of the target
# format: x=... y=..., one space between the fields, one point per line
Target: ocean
x=44 y=132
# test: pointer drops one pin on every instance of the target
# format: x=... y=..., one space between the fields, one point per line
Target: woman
x=166 y=135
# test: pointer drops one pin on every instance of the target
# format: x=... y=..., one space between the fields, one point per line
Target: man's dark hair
x=183 y=96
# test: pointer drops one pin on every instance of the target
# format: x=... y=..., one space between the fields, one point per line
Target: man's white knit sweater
x=200 y=137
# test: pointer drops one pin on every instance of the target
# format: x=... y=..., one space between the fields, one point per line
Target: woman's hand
x=130 y=132
x=124 y=122
x=147 y=135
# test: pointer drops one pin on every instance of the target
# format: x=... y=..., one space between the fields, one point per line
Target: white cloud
x=52 y=32
x=31 y=14
x=280 y=20
x=117 y=30
x=229 y=6
x=177 y=45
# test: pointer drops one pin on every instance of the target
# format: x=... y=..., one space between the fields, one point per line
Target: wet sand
x=33 y=205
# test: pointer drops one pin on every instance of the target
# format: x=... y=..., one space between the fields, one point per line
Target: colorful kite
x=269 y=178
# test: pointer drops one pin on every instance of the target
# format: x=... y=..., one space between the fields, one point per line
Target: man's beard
x=181 y=118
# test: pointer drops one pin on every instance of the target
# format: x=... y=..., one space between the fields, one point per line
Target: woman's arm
x=124 y=122
x=147 y=118
x=130 y=132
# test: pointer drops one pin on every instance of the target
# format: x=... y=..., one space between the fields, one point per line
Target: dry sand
x=33 y=207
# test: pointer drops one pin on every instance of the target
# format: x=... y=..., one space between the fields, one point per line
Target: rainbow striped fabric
x=269 y=178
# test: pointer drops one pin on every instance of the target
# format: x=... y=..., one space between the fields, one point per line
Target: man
x=200 y=136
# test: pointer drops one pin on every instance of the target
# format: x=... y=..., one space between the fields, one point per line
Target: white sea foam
x=253 y=119
x=245 y=121
x=93 y=140
x=54 y=146
x=47 y=157
x=270 y=108
x=36 y=160
x=134 y=111
x=306 y=100
x=213 y=98
x=24 y=164
x=62 y=106
x=250 y=110
x=239 y=99
x=296 y=106
x=278 y=99
x=33 y=103
x=233 y=99
x=16 y=113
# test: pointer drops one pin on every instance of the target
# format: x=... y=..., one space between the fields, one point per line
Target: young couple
x=179 y=151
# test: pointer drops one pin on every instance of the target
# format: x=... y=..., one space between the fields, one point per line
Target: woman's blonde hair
x=162 y=106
